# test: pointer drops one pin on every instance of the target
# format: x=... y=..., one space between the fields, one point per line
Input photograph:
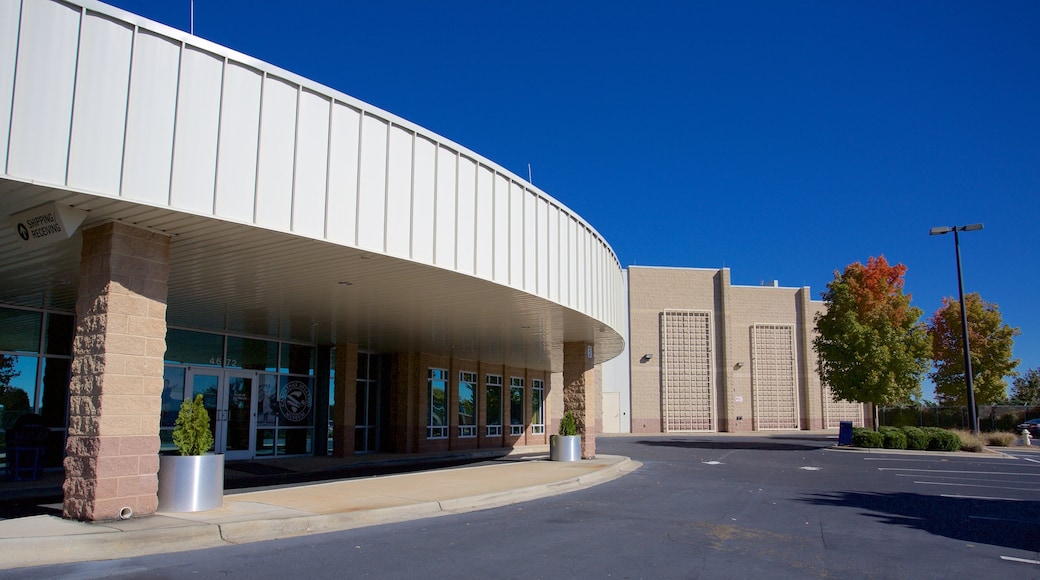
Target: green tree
x=1025 y=389
x=991 y=342
x=871 y=347
x=191 y=432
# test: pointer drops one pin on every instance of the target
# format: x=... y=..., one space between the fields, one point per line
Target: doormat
x=256 y=468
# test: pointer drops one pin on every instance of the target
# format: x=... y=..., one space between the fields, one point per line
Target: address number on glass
x=223 y=362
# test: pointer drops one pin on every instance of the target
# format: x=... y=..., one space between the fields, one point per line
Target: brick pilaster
x=580 y=393
x=344 y=416
x=115 y=392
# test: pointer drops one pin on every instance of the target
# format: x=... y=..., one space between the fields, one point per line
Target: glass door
x=239 y=414
x=228 y=397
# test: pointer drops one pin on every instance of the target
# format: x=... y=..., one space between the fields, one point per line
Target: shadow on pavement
x=1010 y=524
x=46 y=498
x=743 y=444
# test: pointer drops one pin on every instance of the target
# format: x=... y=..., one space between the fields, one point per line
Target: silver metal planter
x=565 y=447
x=191 y=483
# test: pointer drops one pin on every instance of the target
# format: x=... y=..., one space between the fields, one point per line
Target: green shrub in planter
x=191 y=432
x=894 y=438
x=943 y=440
x=863 y=437
x=916 y=438
x=568 y=426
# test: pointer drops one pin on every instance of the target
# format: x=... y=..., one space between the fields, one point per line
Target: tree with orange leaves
x=990 y=342
x=871 y=346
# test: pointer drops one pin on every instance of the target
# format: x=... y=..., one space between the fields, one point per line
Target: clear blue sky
x=783 y=140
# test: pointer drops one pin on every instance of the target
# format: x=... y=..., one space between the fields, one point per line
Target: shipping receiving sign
x=47 y=224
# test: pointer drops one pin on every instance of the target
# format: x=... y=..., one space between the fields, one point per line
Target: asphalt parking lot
x=801 y=504
x=719 y=506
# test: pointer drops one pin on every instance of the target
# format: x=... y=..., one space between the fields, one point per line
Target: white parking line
x=986 y=497
x=953 y=477
x=1023 y=560
x=958 y=471
x=970 y=485
x=900 y=459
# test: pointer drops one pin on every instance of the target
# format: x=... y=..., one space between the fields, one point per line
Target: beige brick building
x=707 y=356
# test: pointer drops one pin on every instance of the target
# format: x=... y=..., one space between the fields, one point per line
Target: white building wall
x=166 y=119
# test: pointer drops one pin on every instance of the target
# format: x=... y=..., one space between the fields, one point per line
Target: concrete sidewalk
x=282 y=512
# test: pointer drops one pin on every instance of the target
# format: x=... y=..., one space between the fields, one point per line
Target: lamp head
x=940 y=230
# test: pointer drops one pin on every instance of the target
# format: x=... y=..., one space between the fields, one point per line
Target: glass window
x=467 y=404
x=298 y=359
x=295 y=401
x=437 y=412
x=537 y=396
x=295 y=441
x=493 y=404
x=172 y=396
x=252 y=354
x=516 y=406
x=17 y=387
x=194 y=348
x=265 y=440
x=55 y=396
x=362 y=365
x=267 y=401
x=332 y=395
x=60 y=329
x=20 y=330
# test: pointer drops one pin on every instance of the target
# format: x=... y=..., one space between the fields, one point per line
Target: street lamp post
x=973 y=413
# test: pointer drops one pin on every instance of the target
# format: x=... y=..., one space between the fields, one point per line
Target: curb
x=988 y=453
x=108 y=543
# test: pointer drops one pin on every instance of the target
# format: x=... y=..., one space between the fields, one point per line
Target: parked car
x=1033 y=425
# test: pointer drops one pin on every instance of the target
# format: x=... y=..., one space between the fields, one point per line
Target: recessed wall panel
x=542 y=242
x=444 y=227
x=148 y=154
x=195 y=136
x=516 y=235
x=10 y=13
x=343 y=174
x=572 y=263
x=274 y=179
x=554 y=253
x=239 y=137
x=41 y=118
x=423 y=196
x=530 y=242
x=502 y=208
x=372 y=193
x=312 y=151
x=399 y=193
x=99 y=119
x=466 y=216
x=485 y=226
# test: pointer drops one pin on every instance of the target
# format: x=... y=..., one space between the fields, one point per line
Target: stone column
x=580 y=393
x=115 y=393
x=344 y=412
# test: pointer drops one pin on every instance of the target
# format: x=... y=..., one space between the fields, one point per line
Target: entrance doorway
x=229 y=397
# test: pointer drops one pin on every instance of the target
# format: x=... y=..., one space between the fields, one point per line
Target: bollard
x=1026 y=437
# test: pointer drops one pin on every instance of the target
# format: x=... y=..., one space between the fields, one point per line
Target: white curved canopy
x=294 y=210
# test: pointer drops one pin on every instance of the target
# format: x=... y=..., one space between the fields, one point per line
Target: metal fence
x=991 y=417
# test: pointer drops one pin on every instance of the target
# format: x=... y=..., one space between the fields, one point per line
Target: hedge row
x=920 y=438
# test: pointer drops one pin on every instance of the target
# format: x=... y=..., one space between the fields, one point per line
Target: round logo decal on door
x=294 y=401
